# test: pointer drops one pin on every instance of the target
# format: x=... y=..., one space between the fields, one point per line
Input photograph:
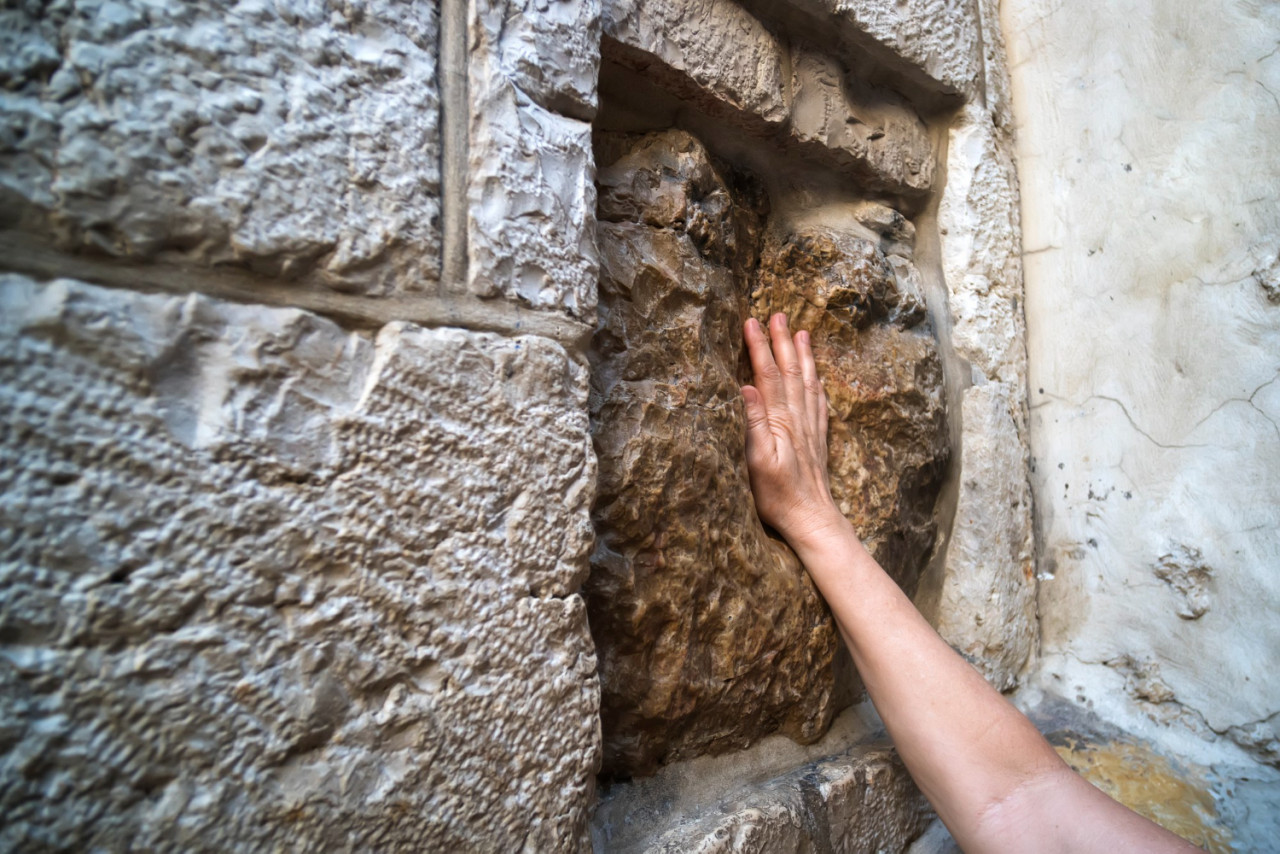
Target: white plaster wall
x=1148 y=146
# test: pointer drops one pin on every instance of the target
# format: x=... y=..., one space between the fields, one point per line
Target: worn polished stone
x=709 y=633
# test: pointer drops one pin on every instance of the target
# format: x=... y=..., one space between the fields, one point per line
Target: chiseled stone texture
x=792 y=95
x=937 y=38
x=530 y=186
x=986 y=607
x=860 y=801
x=868 y=131
x=549 y=50
x=297 y=139
x=712 y=45
x=981 y=232
x=709 y=632
x=271 y=584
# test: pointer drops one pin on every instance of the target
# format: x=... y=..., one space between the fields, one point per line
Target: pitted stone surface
x=710 y=634
x=548 y=49
x=530 y=194
x=298 y=139
x=270 y=584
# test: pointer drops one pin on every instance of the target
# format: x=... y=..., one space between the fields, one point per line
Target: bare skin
x=993 y=779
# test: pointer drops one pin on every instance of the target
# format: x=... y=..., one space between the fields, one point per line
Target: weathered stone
x=1154 y=393
x=298 y=140
x=986 y=604
x=935 y=41
x=862 y=801
x=530 y=195
x=271 y=584
x=1189 y=577
x=871 y=132
x=709 y=633
x=883 y=377
x=550 y=51
x=981 y=249
x=714 y=46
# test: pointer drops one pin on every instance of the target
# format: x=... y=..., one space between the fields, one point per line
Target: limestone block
x=979 y=222
x=300 y=140
x=550 y=51
x=880 y=366
x=530 y=195
x=870 y=131
x=710 y=634
x=269 y=584
x=861 y=801
x=987 y=605
x=936 y=40
x=709 y=48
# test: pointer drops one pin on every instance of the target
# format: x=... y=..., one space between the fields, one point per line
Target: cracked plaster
x=1153 y=341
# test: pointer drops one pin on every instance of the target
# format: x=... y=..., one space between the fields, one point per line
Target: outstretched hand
x=787 y=432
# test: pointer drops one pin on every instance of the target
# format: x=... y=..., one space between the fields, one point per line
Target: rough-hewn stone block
x=936 y=39
x=714 y=44
x=530 y=195
x=297 y=139
x=271 y=584
x=709 y=632
x=979 y=220
x=550 y=51
x=987 y=602
x=862 y=800
x=869 y=131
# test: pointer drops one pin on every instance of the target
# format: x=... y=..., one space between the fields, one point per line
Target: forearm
x=965 y=745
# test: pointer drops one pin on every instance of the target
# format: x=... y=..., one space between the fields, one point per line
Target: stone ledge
x=24 y=254
x=860 y=800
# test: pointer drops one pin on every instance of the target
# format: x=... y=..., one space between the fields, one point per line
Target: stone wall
x=305 y=542
x=296 y=463
x=1148 y=153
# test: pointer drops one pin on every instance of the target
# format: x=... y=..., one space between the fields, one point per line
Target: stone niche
x=709 y=633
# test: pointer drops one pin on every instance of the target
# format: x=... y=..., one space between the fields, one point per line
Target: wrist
x=821 y=526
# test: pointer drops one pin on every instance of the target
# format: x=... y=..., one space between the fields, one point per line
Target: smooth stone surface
x=299 y=141
x=1153 y=348
x=267 y=583
x=986 y=606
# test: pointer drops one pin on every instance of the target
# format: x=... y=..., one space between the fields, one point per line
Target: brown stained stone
x=708 y=631
x=883 y=376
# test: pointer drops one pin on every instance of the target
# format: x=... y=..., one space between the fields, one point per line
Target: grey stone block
x=271 y=584
x=300 y=140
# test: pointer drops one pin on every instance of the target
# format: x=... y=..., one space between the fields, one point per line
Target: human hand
x=787 y=433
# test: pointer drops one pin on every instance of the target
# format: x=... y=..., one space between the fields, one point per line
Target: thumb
x=759 y=436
